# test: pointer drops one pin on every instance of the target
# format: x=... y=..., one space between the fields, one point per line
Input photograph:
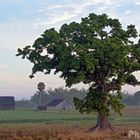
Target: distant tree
x=136 y=98
x=132 y=99
x=128 y=99
x=97 y=51
x=41 y=88
x=59 y=93
x=24 y=103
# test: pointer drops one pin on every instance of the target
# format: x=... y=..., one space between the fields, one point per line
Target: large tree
x=98 y=52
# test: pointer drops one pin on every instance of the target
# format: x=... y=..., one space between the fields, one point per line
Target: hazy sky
x=22 y=21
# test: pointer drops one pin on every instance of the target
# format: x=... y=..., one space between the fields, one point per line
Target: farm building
x=7 y=103
x=42 y=107
x=59 y=104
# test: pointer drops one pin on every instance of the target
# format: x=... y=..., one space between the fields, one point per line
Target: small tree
x=97 y=51
x=41 y=88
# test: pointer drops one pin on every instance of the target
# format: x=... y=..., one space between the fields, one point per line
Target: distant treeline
x=49 y=95
x=132 y=100
x=69 y=94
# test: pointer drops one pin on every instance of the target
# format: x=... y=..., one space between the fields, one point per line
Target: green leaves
x=131 y=31
x=131 y=80
x=115 y=102
x=95 y=101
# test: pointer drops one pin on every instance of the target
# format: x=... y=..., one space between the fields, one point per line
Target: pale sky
x=22 y=21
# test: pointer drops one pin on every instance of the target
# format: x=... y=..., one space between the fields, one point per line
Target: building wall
x=7 y=103
x=7 y=107
x=41 y=107
x=64 y=105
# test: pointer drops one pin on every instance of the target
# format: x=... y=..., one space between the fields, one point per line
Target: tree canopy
x=97 y=51
x=41 y=86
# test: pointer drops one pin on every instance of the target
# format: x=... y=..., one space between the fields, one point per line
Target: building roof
x=55 y=102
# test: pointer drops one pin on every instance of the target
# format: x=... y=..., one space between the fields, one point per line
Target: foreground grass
x=27 y=124
x=56 y=132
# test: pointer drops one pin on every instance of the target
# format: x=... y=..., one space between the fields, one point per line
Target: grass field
x=27 y=124
x=29 y=116
x=130 y=115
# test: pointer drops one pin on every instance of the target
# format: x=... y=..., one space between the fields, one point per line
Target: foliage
x=58 y=93
x=41 y=86
x=96 y=51
x=69 y=94
x=95 y=98
x=24 y=103
x=51 y=94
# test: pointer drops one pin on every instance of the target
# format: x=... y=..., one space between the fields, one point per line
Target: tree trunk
x=40 y=100
x=102 y=124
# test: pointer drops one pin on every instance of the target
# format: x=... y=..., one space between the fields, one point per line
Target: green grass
x=28 y=116
x=47 y=117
